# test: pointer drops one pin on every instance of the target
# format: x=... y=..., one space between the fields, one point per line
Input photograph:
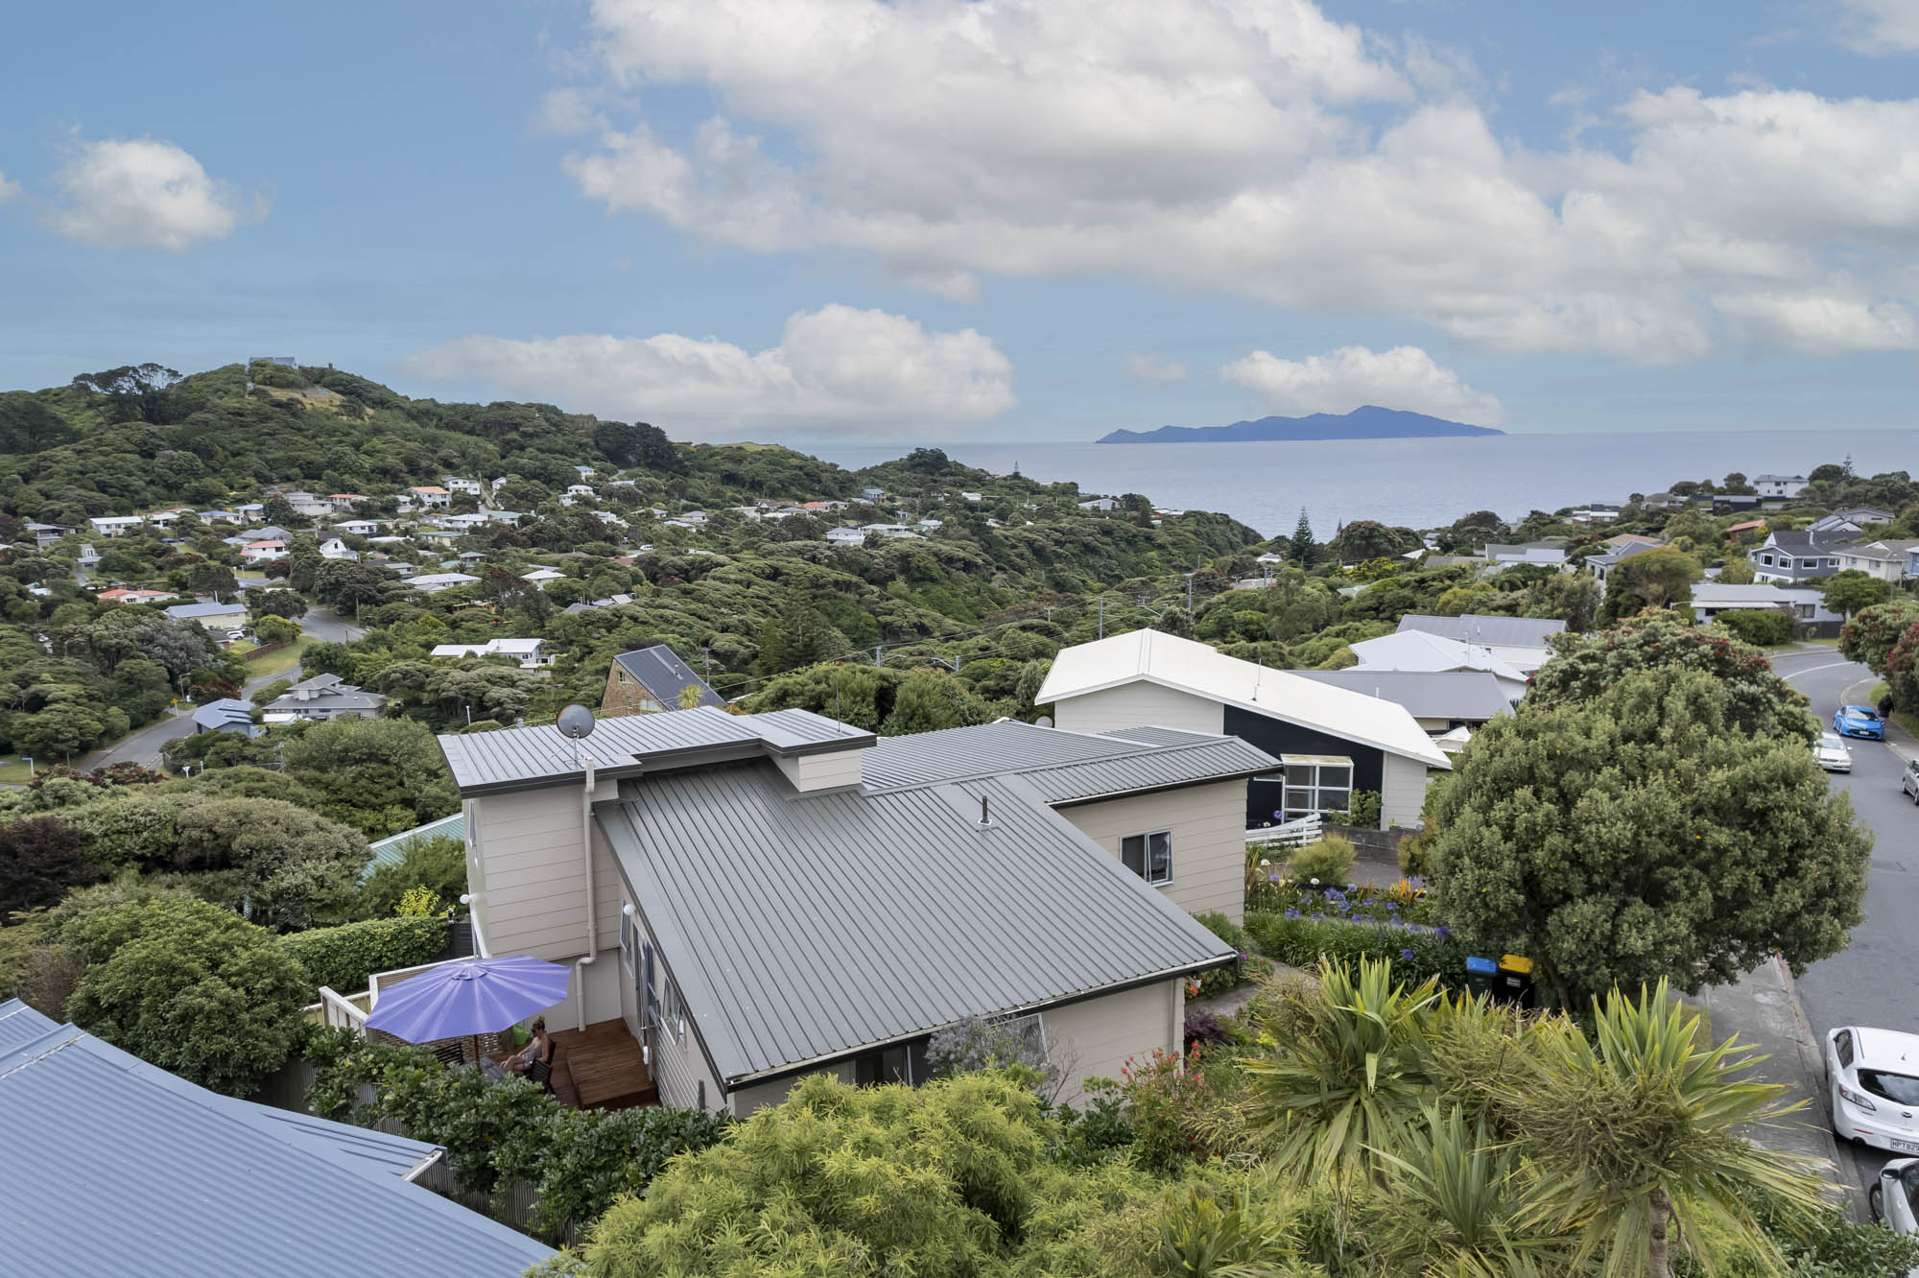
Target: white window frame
x=629 y=944
x=1145 y=870
x=1317 y=787
x=673 y=1011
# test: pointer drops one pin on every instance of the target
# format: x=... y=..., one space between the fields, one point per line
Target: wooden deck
x=601 y=1067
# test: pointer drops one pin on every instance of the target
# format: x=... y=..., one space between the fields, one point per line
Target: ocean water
x=1418 y=483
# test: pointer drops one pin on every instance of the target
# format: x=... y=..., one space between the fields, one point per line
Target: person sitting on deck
x=537 y=1052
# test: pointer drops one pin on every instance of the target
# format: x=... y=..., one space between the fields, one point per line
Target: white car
x=1874 y=1076
x=1894 y=1197
x=1832 y=754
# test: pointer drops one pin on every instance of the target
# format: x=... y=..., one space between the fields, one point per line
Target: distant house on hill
x=1779 y=485
x=648 y=680
x=226 y=715
x=324 y=696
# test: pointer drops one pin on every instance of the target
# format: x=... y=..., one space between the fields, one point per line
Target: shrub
x=437 y=864
x=186 y=985
x=1416 y=953
x=1365 y=810
x=40 y=859
x=1328 y=859
x=1415 y=855
x=1763 y=627
x=344 y=957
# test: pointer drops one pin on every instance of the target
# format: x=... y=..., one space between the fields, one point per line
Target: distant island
x=1367 y=422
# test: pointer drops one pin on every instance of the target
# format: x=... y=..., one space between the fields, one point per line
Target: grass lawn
x=1903 y=718
x=13 y=771
x=279 y=661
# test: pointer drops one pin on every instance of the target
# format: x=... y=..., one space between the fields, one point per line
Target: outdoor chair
x=541 y=1072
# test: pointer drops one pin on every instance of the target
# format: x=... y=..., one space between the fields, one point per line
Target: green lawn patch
x=278 y=661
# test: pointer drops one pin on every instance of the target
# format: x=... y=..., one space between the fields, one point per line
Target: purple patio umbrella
x=469 y=997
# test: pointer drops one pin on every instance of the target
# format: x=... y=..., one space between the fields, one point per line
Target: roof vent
x=985 y=814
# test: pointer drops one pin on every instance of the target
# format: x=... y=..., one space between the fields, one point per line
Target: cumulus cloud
x=7 y=189
x=1881 y=26
x=1247 y=147
x=1404 y=377
x=1823 y=324
x=1145 y=366
x=836 y=369
x=142 y=193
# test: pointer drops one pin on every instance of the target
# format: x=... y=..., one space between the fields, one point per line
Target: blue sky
x=1013 y=219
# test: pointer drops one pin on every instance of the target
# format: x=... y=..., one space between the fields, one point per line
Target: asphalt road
x=1871 y=981
x=143 y=745
x=323 y=623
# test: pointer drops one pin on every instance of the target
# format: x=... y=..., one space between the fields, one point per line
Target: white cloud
x=837 y=369
x=1145 y=366
x=142 y=193
x=1823 y=324
x=1247 y=147
x=7 y=189
x=1881 y=26
x=1404 y=377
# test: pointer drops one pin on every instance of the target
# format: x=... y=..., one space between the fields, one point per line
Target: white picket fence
x=1292 y=834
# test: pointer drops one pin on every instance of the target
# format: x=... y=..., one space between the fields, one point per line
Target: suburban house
x=116 y=1166
x=212 y=614
x=1885 y=559
x=1779 y=485
x=428 y=497
x=324 y=696
x=471 y=487
x=1523 y=643
x=1788 y=557
x=263 y=550
x=1100 y=503
x=1415 y=650
x=1601 y=565
x=530 y=653
x=115 y=525
x=1802 y=603
x=846 y=536
x=1543 y=554
x=588 y=605
x=1849 y=522
x=45 y=535
x=759 y=897
x=648 y=680
x=358 y=527
x=226 y=715
x=1439 y=700
x=1330 y=741
x=129 y=595
x=433 y=582
x=1725 y=503
x=334 y=548
x=540 y=576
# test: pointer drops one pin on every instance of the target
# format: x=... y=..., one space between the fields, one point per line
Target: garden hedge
x=1416 y=952
x=344 y=957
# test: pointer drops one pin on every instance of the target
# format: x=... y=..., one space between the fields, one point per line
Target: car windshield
x=1860 y=712
x=1900 y=1089
x=1830 y=742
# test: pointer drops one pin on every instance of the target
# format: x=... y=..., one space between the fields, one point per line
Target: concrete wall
x=1138 y=704
x=1402 y=791
x=1098 y=1037
x=1208 y=823
x=524 y=857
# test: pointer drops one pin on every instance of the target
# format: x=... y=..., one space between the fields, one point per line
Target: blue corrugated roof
x=389 y=850
x=115 y=1166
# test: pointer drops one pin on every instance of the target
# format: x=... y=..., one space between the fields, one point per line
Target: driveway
x=142 y=746
x=1870 y=982
x=325 y=624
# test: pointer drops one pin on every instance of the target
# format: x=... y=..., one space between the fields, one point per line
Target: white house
x=429 y=496
x=1802 y=604
x=508 y=517
x=212 y=614
x=894 y=532
x=846 y=536
x=1099 y=503
x=471 y=487
x=1414 y=650
x=530 y=653
x=334 y=548
x=1779 y=485
x=358 y=527
x=1524 y=643
x=433 y=582
x=540 y=576
x=1885 y=559
x=1330 y=741
x=115 y=525
x=264 y=550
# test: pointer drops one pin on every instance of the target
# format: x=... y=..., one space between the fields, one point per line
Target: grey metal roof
x=20 y=1024
x=662 y=673
x=1497 y=632
x=1158 y=736
x=1062 y=766
x=115 y=1166
x=800 y=928
x=521 y=757
x=1437 y=694
x=189 y=612
x=225 y=712
x=333 y=693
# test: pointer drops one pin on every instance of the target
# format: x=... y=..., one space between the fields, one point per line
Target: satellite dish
x=1044 y=721
x=576 y=721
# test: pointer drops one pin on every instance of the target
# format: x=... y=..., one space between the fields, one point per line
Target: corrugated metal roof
x=662 y=673
x=115 y=1166
x=522 y=756
x=804 y=927
x=20 y=1024
x=390 y=850
x=1153 y=735
x=1062 y=766
x=1496 y=632
x=1438 y=694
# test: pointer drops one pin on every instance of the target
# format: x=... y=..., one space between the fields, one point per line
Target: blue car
x=1859 y=721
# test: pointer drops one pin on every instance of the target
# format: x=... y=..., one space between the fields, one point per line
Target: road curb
x=1813 y=1063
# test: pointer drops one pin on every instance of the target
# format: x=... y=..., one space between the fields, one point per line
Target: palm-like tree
x=1637 y=1137
x=1203 y=1237
x=1342 y=1072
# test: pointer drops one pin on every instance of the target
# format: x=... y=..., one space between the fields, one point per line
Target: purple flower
x=1292 y=914
x=1444 y=932
x=1406 y=954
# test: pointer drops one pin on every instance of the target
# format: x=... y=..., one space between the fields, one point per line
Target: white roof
x=1188 y=666
x=1757 y=593
x=1893 y=1050
x=1417 y=650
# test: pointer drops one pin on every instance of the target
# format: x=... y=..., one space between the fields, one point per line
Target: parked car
x=1832 y=754
x=1859 y=721
x=1894 y=1197
x=1909 y=780
x=1874 y=1079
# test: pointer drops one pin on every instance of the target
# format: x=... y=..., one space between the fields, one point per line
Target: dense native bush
x=343 y=957
x=1763 y=627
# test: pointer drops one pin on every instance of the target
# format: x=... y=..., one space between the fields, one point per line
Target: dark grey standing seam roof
x=801 y=928
x=1438 y=694
x=523 y=757
x=114 y=1166
x=1497 y=632
x=1079 y=764
x=662 y=673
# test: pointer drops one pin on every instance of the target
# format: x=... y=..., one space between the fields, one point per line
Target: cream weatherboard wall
x=1402 y=791
x=1208 y=825
x=678 y=1066
x=1139 y=704
x=1096 y=1038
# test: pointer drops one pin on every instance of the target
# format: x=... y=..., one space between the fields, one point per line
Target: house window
x=629 y=944
x=673 y=1012
x=1149 y=855
x=1766 y=560
x=1317 y=783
